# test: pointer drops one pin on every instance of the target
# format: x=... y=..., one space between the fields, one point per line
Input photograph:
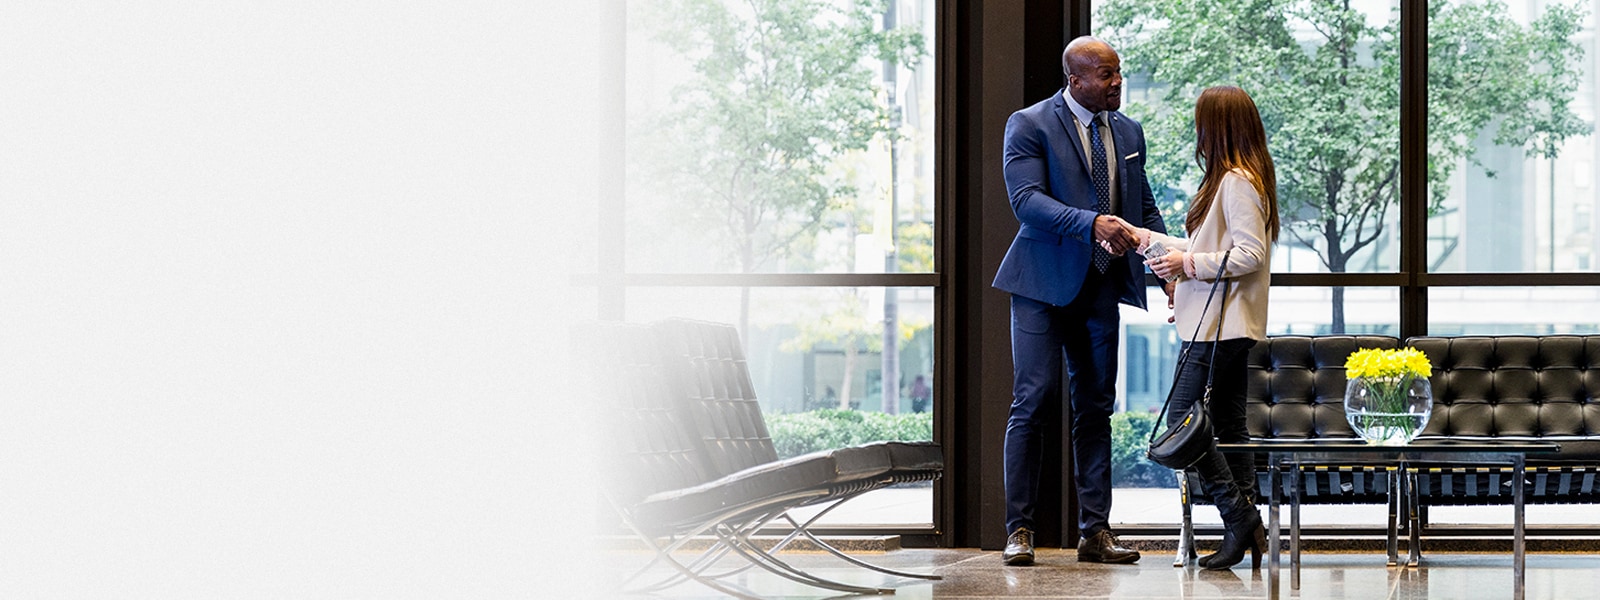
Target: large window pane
x=1511 y=110
x=1512 y=310
x=772 y=136
x=1326 y=80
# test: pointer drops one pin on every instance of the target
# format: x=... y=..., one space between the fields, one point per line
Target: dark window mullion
x=1413 y=166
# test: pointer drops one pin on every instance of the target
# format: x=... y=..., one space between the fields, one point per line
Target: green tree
x=781 y=90
x=1327 y=85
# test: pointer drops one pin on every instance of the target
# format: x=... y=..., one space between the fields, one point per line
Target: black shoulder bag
x=1182 y=445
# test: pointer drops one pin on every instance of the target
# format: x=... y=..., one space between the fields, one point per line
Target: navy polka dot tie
x=1102 y=188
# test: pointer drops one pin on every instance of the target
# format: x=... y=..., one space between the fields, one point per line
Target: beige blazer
x=1237 y=220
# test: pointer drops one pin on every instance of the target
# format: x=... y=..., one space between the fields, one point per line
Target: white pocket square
x=1131 y=156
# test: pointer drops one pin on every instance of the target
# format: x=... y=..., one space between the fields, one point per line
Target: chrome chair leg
x=1187 y=555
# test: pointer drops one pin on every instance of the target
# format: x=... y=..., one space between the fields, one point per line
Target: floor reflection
x=975 y=574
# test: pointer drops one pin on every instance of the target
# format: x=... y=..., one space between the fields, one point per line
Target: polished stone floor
x=975 y=574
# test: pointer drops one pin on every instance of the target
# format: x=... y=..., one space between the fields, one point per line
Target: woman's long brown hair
x=1229 y=135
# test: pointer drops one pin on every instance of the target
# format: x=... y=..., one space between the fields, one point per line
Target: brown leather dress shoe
x=1019 y=548
x=1102 y=548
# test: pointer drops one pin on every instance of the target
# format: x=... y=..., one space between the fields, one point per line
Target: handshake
x=1117 y=237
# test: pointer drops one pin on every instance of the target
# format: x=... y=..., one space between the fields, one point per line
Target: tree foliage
x=781 y=90
x=1327 y=84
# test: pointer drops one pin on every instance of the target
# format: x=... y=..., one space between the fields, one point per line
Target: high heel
x=1250 y=535
x=1259 y=549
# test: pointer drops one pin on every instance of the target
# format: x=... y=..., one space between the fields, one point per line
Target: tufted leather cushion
x=650 y=448
x=755 y=487
x=1517 y=387
x=709 y=373
x=908 y=457
x=1297 y=385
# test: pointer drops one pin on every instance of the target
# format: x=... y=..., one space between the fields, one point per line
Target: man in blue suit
x=1072 y=165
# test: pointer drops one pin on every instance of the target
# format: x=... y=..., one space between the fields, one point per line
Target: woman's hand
x=1139 y=233
x=1168 y=266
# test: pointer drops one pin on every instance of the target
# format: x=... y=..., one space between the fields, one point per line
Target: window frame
x=1412 y=279
x=612 y=279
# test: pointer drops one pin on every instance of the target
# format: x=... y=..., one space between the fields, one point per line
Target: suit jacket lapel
x=1070 y=129
x=1121 y=134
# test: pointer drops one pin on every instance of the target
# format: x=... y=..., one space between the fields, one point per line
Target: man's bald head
x=1094 y=73
x=1083 y=53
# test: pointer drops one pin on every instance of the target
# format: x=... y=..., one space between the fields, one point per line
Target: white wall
x=273 y=289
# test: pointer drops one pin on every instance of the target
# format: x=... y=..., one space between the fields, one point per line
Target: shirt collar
x=1078 y=110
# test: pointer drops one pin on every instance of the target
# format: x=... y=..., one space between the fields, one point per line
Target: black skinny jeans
x=1228 y=479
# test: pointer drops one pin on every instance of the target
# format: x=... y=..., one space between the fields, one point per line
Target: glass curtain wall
x=779 y=177
x=1326 y=80
x=1511 y=114
x=1510 y=182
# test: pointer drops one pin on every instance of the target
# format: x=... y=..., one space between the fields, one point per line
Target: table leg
x=1274 y=484
x=1408 y=482
x=1518 y=549
x=1393 y=544
x=1294 y=525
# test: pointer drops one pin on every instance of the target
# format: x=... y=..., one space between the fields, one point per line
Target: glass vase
x=1388 y=411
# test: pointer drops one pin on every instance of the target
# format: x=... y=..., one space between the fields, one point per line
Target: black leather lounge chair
x=692 y=458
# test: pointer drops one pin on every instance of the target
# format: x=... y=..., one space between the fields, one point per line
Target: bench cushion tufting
x=1517 y=388
x=1297 y=385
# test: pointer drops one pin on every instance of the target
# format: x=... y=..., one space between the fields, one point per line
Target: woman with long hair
x=1233 y=215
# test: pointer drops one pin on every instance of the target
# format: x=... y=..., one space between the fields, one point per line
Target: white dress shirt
x=1081 y=115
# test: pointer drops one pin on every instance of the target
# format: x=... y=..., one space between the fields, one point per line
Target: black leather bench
x=1518 y=388
x=691 y=456
x=1512 y=388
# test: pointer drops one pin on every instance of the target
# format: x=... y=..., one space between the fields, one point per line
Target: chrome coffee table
x=1292 y=455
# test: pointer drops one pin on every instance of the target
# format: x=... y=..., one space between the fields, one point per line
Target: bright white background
x=282 y=293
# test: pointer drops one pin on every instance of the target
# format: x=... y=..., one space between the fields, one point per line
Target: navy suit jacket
x=1052 y=195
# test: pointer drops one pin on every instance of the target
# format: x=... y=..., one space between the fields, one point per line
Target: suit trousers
x=1085 y=331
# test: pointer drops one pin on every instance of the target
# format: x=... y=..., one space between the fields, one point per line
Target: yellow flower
x=1375 y=363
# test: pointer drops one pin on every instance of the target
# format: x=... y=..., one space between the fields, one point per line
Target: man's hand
x=1114 y=235
x=1169 y=287
x=1140 y=234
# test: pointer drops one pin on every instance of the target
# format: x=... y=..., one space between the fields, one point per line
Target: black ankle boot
x=1248 y=534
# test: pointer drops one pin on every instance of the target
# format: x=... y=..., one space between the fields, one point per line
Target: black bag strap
x=1183 y=359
